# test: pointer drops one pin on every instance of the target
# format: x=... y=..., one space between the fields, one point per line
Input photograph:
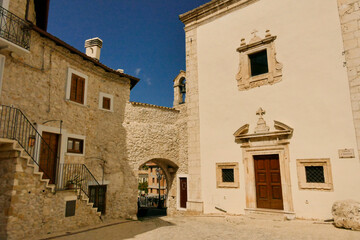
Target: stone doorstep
x=84 y=229
x=270 y=214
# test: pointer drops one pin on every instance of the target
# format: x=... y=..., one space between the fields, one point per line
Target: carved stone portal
x=244 y=78
x=266 y=142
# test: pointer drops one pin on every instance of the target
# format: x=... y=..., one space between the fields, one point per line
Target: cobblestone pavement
x=215 y=227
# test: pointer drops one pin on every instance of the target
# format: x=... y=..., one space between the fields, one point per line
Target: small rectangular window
x=106 y=103
x=227 y=175
x=314 y=174
x=259 y=63
x=75 y=145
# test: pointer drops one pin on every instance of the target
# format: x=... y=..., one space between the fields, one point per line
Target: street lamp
x=158 y=175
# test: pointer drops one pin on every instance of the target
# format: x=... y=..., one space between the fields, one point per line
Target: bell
x=182 y=88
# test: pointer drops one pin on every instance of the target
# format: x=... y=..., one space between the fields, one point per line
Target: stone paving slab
x=216 y=227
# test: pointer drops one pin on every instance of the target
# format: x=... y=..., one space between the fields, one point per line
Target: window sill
x=227 y=185
x=317 y=187
x=78 y=104
x=106 y=110
x=75 y=154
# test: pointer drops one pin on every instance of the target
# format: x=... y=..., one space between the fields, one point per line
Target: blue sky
x=143 y=37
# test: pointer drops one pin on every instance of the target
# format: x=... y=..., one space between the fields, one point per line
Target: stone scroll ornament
x=244 y=78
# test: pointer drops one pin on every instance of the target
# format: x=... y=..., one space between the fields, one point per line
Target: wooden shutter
x=106 y=103
x=80 y=90
x=73 y=87
x=77 y=90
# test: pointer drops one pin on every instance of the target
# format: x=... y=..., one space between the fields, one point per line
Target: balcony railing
x=14 y=29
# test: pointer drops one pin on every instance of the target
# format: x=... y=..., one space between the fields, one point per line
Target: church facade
x=272 y=106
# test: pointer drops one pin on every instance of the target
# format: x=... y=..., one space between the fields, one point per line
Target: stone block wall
x=349 y=13
x=36 y=84
x=158 y=134
x=32 y=209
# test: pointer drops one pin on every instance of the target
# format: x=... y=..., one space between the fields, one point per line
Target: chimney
x=93 y=47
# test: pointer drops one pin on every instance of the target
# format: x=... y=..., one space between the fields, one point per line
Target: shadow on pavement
x=148 y=221
x=144 y=213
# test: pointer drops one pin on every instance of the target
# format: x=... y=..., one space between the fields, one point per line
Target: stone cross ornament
x=261 y=124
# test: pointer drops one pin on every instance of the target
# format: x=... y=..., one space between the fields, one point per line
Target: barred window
x=227 y=175
x=314 y=174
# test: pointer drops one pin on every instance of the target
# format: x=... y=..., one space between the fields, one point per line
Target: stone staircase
x=31 y=206
x=10 y=149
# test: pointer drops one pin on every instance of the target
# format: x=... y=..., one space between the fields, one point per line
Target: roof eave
x=133 y=80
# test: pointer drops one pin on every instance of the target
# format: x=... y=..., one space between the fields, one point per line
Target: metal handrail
x=75 y=176
x=16 y=126
x=14 y=29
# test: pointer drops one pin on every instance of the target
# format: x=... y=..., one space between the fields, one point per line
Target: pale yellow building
x=273 y=106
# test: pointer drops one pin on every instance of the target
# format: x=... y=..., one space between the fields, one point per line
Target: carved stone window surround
x=323 y=162
x=244 y=78
x=227 y=165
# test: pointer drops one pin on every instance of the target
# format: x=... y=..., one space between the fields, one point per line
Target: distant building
x=143 y=176
x=153 y=182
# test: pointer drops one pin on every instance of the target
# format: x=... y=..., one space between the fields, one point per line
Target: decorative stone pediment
x=245 y=78
x=262 y=131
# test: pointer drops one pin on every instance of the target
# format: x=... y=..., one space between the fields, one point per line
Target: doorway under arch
x=156 y=182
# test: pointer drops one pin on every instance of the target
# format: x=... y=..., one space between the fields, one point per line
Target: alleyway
x=215 y=227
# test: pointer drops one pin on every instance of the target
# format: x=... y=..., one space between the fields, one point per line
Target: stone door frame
x=62 y=147
x=282 y=150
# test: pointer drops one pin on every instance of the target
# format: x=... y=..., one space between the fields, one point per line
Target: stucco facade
x=312 y=98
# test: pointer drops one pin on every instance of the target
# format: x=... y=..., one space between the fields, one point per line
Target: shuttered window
x=77 y=90
x=106 y=103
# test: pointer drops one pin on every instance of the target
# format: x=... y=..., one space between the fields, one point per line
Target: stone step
x=269 y=214
x=11 y=149
x=9 y=154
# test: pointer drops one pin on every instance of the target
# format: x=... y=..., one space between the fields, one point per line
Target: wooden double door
x=268 y=182
x=49 y=155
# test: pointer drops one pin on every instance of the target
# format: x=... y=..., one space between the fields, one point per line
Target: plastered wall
x=313 y=98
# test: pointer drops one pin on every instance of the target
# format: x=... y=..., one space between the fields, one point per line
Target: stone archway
x=169 y=169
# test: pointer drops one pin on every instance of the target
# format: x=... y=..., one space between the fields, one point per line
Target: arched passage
x=162 y=181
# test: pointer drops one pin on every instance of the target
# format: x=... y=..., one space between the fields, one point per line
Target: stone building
x=273 y=106
x=71 y=143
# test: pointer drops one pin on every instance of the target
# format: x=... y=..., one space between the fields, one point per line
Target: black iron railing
x=75 y=176
x=15 y=125
x=14 y=29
